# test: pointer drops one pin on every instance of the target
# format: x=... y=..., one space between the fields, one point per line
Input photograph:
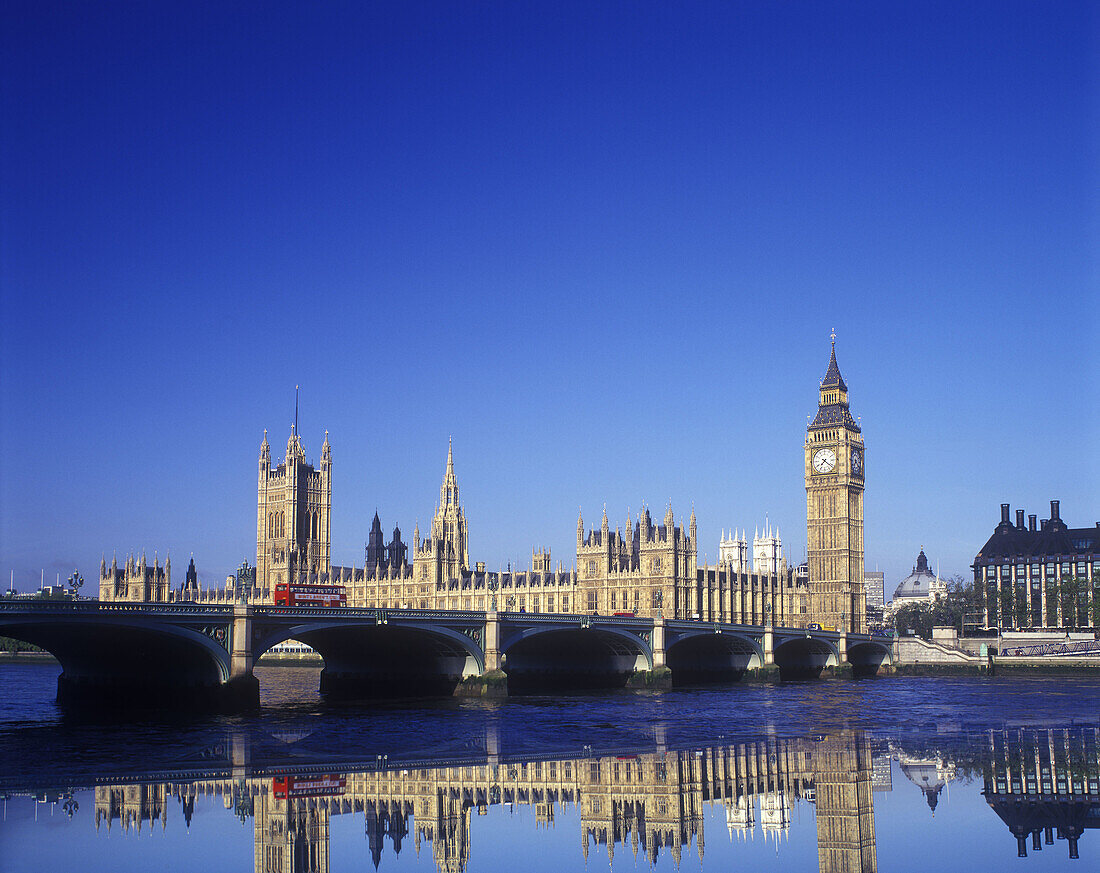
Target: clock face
x=824 y=460
x=857 y=462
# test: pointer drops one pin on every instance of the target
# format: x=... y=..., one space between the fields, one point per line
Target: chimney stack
x=1054 y=511
x=1019 y=519
x=1004 y=512
x=1031 y=523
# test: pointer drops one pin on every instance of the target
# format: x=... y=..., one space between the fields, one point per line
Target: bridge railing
x=1084 y=647
x=373 y=613
x=96 y=607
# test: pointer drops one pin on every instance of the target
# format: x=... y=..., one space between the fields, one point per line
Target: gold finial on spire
x=832 y=336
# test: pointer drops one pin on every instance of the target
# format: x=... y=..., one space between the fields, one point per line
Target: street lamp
x=76 y=582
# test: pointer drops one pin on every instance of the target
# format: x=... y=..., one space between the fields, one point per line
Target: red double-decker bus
x=301 y=594
x=284 y=787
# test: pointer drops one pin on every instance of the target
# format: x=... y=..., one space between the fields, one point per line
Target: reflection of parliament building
x=649 y=566
x=648 y=804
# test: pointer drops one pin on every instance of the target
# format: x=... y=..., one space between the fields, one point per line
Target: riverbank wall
x=27 y=658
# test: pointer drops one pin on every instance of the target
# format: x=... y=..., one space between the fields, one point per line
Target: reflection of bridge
x=112 y=652
x=652 y=802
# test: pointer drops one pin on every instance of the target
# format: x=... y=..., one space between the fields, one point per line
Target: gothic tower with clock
x=834 y=509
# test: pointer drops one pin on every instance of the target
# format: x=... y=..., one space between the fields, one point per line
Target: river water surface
x=899 y=774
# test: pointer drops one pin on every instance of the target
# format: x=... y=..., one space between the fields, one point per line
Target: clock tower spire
x=834 y=467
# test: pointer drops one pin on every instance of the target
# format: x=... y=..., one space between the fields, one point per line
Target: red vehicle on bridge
x=301 y=594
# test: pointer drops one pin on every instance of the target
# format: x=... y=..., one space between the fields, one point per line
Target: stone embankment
x=948 y=654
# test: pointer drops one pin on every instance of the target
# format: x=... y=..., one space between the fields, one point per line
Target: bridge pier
x=659 y=652
x=769 y=645
x=242 y=689
x=660 y=676
x=492 y=641
x=494 y=681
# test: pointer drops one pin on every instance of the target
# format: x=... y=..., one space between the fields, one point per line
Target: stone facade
x=834 y=464
x=649 y=570
x=135 y=581
x=293 y=506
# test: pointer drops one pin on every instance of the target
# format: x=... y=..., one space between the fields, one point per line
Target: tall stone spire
x=448 y=491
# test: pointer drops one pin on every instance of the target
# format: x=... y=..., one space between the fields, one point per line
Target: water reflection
x=1045 y=784
x=652 y=803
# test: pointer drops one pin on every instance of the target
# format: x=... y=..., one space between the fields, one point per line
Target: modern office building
x=1044 y=575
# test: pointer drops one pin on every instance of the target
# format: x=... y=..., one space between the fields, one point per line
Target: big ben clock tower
x=834 y=509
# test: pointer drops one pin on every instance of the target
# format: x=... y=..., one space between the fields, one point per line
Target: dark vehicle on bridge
x=813 y=625
x=299 y=594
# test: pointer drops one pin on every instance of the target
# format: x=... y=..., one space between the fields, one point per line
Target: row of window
x=276 y=524
x=1066 y=568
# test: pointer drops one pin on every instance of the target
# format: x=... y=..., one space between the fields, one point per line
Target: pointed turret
x=326 y=453
x=833 y=401
x=103 y=566
x=265 y=454
x=833 y=379
x=580 y=527
x=293 y=446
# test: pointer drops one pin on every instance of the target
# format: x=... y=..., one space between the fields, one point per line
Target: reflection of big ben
x=834 y=509
x=844 y=805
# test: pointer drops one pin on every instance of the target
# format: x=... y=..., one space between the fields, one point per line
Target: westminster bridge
x=115 y=653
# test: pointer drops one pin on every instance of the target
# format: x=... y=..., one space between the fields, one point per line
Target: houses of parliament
x=648 y=566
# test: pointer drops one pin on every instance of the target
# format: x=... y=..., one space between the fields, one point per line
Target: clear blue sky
x=601 y=244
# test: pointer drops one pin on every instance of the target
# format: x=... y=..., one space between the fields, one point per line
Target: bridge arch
x=379 y=659
x=867 y=656
x=572 y=656
x=804 y=657
x=703 y=655
x=117 y=661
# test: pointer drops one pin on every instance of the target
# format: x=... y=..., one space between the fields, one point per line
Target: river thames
x=900 y=774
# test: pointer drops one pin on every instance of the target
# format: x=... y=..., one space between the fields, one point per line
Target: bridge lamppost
x=494 y=583
x=76 y=582
x=245 y=581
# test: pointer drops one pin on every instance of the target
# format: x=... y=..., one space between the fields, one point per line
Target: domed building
x=920 y=586
x=930 y=775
